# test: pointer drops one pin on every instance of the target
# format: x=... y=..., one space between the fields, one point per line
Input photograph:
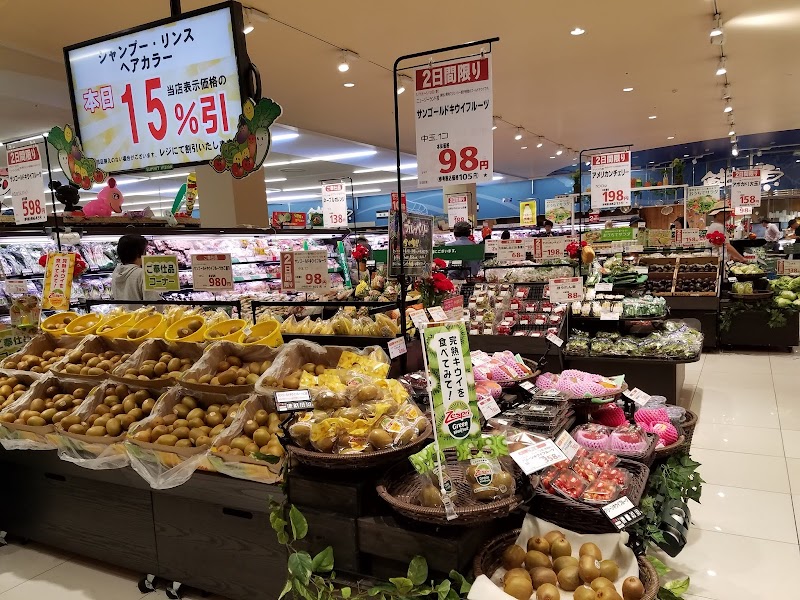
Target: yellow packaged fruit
x=307 y=380
x=330 y=379
x=364 y=364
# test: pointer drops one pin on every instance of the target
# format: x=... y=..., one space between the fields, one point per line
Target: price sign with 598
x=566 y=289
x=27 y=185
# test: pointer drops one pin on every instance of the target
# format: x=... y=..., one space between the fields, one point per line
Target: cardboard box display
x=94 y=344
x=44 y=342
x=152 y=350
x=220 y=351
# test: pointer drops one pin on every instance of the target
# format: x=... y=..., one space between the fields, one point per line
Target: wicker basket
x=688 y=426
x=662 y=454
x=361 y=460
x=487 y=561
x=585 y=518
x=646 y=456
x=531 y=364
x=401 y=486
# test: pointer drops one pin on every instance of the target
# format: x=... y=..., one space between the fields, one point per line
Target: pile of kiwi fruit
x=167 y=366
x=549 y=565
x=87 y=325
x=234 y=371
x=121 y=408
x=36 y=364
x=57 y=326
x=11 y=388
x=188 y=424
x=292 y=380
x=221 y=332
x=189 y=328
x=134 y=333
x=90 y=363
x=260 y=434
x=49 y=408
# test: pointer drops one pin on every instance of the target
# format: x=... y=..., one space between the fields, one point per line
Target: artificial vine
x=313 y=578
x=777 y=314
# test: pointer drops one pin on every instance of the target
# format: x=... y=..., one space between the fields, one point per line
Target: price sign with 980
x=212 y=272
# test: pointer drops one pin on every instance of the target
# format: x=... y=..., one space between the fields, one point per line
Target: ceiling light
x=496 y=177
x=728 y=108
x=355 y=184
x=279 y=137
x=524 y=148
x=651 y=117
x=732 y=132
x=274 y=179
x=552 y=157
x=717 y=29
x=494 y=123
x=324 y=158
x=540 y=143
x=560 y=151
x=735 y=150
x=670 y=137
x=577 y=31
x=733 y=139
x=248 y=23
x=766 y=187
x=721 y=69
x=388 y=168
x=685 y=156
x=627 y=89
x=344 y=64
x=349 y=84
x=588 y=164
x=519 y=134
x=402 y=80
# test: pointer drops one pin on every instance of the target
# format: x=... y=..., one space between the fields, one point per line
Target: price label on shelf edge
x=397 y=347
x=549 y=247
x=554 y=339
x=511 y=250
x=293 y=401
x=787 y=267
x=437 y=314
x=305 y=271
x=639 y=397
x=611 y=180
x=27 y=185
x=622 y=513
x=536 y=457
x=212 y=272
x=16 y=287
x=488 y=407
x=334 y=205
x=566 y=289
x=746 y=188
x=567 y=444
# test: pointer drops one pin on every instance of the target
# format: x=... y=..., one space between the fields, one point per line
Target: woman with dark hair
x=678 y=223
x=127 y=281
x=548 y=227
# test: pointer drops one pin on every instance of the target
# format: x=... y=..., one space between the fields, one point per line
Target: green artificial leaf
x=299 y=523
x=452 y=595
x=403 y=584
x=418 y=570
x=380 y=588
x=283 y=537
x=665 y=594
x=659 y=566
x=277 y=521
x=464 y=586
x=678 y=586
x=286 y=589
x=443 y=589
x=323 y=562
x=300 y=566
x=345 y=591
x=302 y=591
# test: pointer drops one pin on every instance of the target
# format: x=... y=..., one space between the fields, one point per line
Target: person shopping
x=462 y=231
x=719 y=214
x=127 y=281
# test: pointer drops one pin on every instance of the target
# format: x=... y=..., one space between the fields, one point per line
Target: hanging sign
x=700 y=199
x=511 y=250
x=212 y=272
x=566 y=289
x=452 y=385
x=457 y=209
x=305 y=271
x=58 y=280
x=611 y=180
x=559 y=209
x=527 y=212
x=787 y=267
x=688 y=237
x=334 y=205
x=453 y=122
x=161 y=273
x=27 y=185
x=746 y=188
x=417 y=240
x=397 y=347
x=549 y=247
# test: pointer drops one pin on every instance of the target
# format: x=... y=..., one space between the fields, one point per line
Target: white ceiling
x=567 y=88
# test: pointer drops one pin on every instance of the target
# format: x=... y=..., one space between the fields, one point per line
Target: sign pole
x=53 y=196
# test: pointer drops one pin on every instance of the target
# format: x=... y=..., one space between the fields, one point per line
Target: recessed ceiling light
x=651 y=117
x=670 y=137
x=349 y=84
x=627 y=89
x=560 y=151
x=578 y=31
x=518 y=137
x=552 y=157
x=524 y=148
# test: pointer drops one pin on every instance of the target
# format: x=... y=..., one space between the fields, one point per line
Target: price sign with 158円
x=611 y=180
x=305 y=271
x=27 y=185
x=212 y=272
x=162 y=94
x=566 y=289
x=453 y=122
x=746 y=188
x=334 y=205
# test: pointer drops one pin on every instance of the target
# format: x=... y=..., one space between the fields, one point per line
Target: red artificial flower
x=438 y=263
x=716 y=238
x=360 y=252
x=43 y=260
x=441 y=283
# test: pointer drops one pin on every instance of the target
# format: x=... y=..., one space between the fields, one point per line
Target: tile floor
x=746 y=529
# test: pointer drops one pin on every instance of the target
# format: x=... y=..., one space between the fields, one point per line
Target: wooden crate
x=647 y=261
x=710 y=276
x=663 y=276
x=350 y=494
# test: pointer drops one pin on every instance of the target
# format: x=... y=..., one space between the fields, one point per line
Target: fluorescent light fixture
x=28 y=139
x=53 y=170
x=120 y=181
x=651 y=117
x=627 y=89
x=274 y=179
x=716 y=30
x=295 y=197
x=497 y=177
x=368 y=191
x=154 y=193
x=280 y=137
x=349 y=84
x=170 y=176
x=519 y=134
x=355 y=183
x=577 y=31
x=722 y=69
x=560 y=151
x=326 y=158
x=389 y=169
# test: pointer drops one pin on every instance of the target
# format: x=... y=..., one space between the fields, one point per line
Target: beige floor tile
x=752 y=471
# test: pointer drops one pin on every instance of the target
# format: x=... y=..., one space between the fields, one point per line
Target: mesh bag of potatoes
x=231 y=366
x=41 y=353
x=550 y=564
x=94 y=358
x=92 y=436
x=26 y=422
x=157 y=364
x=251 y=447
x=175 y=439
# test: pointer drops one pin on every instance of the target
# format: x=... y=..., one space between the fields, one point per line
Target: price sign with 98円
x=746 y=188
x=212 y=272
x=305 y=271
x=27 y=185
x=611 y=180
x=163 y=94
x=566 y=289
x=334 y=205
x=453 y=122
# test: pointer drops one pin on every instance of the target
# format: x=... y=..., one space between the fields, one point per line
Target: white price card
x=437 y=314
x=511 y=250
x=688 y=237
x=527 y=386
x=334 y=205
x=488 y=407
x=608 y=315
x=622 y=513
x=305 y=271
x=567 y=444
x=293 y=401
x=787 y=267
x=15 y=287
x=635 y=248
x=611 y=180
x=457 y=209
x=397 y=347
x=453 y=122
x=212 y=272
x=549 y=247
x=639 y=397
x=419 y=318
x=746 y=188
x=538 y=456
x=603 y=286
x=27 y=185
x=640 y=269
x=566 y=289
x=554 y=339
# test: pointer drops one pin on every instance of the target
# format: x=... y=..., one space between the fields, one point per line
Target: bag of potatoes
x=157 y=363
x=228 y=366
x=94 y=358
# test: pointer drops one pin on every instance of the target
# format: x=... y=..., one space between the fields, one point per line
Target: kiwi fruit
x=542 y=575
x=540 y=544
x=551 y=536
x=584 y=593
x=592 y=550
x=547 y=591
x=517 y=572
x=601 y=582
x=607 y=593
x=564 y=561
x=588 y=569
x=518 y=588
x=37 y=364
x=560 y=547
x=431 y=497
x=609 y=569
x=569 y=579
x=513 y=556
x=534 y=558
x=632 y=588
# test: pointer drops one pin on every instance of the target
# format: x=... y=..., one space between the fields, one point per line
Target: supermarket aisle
x=746 y=530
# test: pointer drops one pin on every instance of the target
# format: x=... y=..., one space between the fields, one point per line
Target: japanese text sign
x=746 y=188
x=511 y=250
x=537 y=456
x=12 y=340
x=305 y=271
x=453 y=122
x=58 y=280
x=688 y=237
x=165 y=94
x=457 y=209
x=161 y=273
x=417 y=241
x=212 y=272
x=334 y=205
x=549 y=247
x=787 y=267
x=566 y=289
x=527 y=212
x=611 y=180
x=452 y=385
x=27 y=185
x=559 y=209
